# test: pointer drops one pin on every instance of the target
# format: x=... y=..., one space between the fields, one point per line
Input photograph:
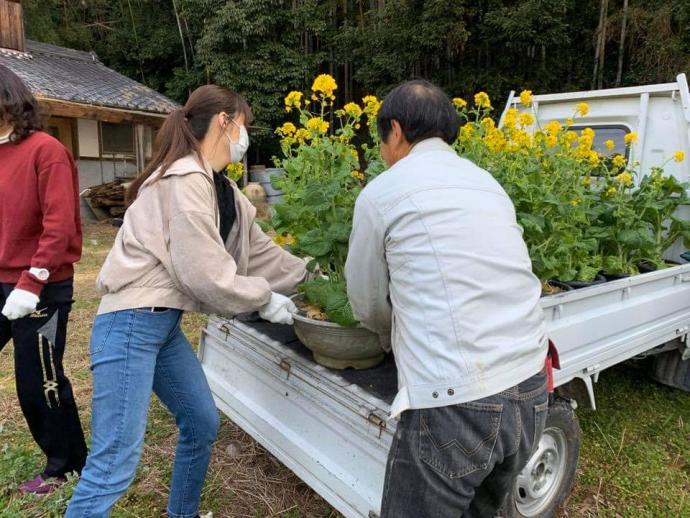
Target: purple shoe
x=42 y=486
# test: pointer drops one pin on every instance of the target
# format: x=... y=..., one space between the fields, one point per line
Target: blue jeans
x=134 y=353
x=462 y=460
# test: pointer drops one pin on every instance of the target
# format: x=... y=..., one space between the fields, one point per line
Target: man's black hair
x=423 y=111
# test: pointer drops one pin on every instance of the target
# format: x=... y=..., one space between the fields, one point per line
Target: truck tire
x=547 y=479
x=671 y=370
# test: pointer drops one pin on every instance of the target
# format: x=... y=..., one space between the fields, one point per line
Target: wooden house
x=105 y=119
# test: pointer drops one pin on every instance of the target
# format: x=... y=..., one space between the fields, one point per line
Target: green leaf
x=314 y=243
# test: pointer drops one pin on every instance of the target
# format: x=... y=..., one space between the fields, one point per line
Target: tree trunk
x=600 y=30
x=179 y=27
x=621 y=47
x=602 y=50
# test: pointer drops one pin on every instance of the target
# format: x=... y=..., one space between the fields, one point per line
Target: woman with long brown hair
x=188 y=243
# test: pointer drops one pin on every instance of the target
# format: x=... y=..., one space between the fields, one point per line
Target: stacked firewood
x=107 y=200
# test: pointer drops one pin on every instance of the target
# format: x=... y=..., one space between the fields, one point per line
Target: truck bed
x=331 y=427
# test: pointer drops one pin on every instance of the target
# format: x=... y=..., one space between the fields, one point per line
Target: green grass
x=635 y=458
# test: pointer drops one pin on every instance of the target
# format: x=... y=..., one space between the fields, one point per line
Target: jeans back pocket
x=458 y=440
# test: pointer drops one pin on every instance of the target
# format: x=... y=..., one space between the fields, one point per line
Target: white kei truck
x=331 y=428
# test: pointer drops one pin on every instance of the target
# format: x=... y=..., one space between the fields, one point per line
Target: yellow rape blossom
x=357 y=175
x=631 y=138
x=293 y=100
x=371 y=106
x=575 y=202
x=625 y=178
x=551 y=141
x=522 y=139
x=526 y=97
x=582 y=109
x=611 y=191
x=587 y=181
x=234 y=171
x=589 y=133
x=287 y=129
x=325 y=85
x=353 y=110
x=526 y=119
x=317 y=124
x=553 y=128
x=459 y=102
x=570 y=136
x=488 y=123
x=482 y=100
x=594 y=158
x=679 y=156
x=619 y=161
x=510 y=118
x=495 y=140
x=302 y=135
x=283 y=240
x=466 y=132
x=569 y=121
x=610 y=144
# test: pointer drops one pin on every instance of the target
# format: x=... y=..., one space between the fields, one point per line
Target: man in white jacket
x=437 y=264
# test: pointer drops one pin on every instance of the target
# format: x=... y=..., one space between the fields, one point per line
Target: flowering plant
x=323 y=176
x=581 y=211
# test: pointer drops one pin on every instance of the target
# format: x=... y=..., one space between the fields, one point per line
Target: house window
x=117 y=139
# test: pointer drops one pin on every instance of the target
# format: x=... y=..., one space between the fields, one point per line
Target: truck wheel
x=547 y=479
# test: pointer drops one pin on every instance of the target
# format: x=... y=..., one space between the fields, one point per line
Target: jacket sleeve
x=366 y=271
x=283 y=271
x=57 y=195
x=202 y=266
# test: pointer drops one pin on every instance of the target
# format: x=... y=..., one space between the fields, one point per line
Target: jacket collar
x=4 y=139
x=430 y=144
x=191 y=163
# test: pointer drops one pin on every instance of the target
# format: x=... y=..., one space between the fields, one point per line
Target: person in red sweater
x=40 y=240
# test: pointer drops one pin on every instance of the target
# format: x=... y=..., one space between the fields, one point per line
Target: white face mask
x=239 y=148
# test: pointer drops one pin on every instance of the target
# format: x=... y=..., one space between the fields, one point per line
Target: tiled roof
x=73 y=75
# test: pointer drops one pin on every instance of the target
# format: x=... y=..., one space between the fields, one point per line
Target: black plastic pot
x=576 y=285
x=615 y=276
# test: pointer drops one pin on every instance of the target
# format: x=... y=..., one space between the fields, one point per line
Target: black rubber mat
x=380 y=381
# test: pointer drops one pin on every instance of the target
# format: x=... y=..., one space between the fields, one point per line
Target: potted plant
x=322 y=179
x=581 y=212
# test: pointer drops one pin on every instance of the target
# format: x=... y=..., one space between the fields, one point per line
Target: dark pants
x=462 y=460
x=45 y=393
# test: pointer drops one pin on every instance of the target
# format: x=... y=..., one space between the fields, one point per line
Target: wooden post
x=139 y=147
x=11 y=25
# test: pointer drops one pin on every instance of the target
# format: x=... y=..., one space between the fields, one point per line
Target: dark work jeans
x=45 y=393
x=462 y=460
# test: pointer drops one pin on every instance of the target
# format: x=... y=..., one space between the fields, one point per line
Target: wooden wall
x=11 y=25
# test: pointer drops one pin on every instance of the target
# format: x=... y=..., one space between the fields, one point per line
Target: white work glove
x=279 y=310
x=19 y=304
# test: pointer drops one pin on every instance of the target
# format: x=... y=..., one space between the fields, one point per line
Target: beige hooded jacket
x=169 y=253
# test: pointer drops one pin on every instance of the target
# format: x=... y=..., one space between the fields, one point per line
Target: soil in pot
x=335 y=346
x=553 y=287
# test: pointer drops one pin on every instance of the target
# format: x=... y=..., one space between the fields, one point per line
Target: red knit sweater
x=39 y=211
